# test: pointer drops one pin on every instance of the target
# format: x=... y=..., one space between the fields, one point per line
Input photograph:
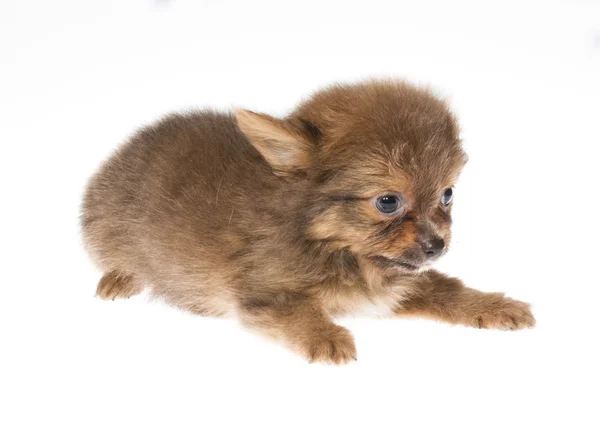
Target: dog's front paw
x=334 y=345
x=503 y=313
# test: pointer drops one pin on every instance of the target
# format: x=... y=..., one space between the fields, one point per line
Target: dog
x=286 y=223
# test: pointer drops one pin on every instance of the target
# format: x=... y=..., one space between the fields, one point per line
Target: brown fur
x=274 y=220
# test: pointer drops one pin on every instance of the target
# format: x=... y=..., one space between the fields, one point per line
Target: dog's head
x=382 y=158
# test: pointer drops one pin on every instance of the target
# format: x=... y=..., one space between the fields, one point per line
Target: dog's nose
x=432 y=246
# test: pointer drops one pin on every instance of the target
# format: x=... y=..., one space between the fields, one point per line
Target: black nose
x=433 y=246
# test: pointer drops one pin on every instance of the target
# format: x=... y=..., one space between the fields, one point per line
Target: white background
x=77 y=77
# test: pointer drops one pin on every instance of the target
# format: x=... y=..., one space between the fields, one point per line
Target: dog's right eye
x=388 y=204
x=447 y=196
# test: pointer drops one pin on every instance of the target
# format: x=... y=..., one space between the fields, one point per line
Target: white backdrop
x=77 y=77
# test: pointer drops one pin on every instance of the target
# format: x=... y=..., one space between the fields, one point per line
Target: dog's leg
x=447 y=299
x=299 y=322
x=116 y=285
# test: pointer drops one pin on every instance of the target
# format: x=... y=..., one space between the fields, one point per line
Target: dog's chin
x=399 y=264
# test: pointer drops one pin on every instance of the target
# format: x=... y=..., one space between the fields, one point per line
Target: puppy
x=286 y=223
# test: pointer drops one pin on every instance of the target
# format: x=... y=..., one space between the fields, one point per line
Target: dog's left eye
x=388 y=204
x=447 y=196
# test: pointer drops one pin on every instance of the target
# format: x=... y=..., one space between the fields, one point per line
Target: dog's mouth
x=388 y=263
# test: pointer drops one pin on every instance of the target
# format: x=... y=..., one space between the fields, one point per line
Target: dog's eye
x=388 y=204
x=447 y=196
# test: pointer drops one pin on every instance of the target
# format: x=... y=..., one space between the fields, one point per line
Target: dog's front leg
x=300 y=322
x=447 y=299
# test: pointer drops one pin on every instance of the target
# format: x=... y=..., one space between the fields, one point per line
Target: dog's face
x=383 y=159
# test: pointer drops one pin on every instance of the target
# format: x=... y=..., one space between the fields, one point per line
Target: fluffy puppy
x=285 y=223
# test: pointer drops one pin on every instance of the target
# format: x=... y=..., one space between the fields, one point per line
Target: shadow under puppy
x=285 y=223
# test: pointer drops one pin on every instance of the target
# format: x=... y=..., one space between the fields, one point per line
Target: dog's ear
x=285 y=147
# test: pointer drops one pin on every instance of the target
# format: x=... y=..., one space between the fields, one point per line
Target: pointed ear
x=284 y=147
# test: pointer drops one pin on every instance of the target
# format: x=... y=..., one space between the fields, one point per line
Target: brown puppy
x=286 y=223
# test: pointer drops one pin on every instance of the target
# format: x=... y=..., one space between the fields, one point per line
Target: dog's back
x=159 y=210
